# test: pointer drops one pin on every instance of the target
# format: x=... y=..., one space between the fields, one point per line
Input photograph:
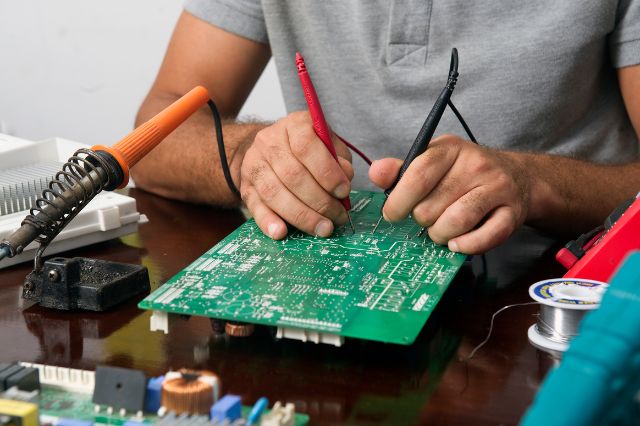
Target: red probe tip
x=300 y=66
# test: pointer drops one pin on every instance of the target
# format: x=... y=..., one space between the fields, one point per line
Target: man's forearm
x=570 y=196
x=186 y=165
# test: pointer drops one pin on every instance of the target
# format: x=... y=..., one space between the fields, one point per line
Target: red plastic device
x=600 y=262
x=317 y=116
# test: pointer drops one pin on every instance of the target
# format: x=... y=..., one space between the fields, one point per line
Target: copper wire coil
x=237 y=329
x=188 y=394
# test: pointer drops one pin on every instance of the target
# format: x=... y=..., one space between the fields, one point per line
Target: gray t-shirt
x=534 y=75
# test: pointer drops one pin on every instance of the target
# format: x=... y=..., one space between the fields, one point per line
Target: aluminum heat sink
x=21 y=186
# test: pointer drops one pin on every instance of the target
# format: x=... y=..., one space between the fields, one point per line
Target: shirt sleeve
x=241 y=17
x=624 y=41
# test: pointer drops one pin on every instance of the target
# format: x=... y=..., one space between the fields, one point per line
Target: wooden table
x=359 y=383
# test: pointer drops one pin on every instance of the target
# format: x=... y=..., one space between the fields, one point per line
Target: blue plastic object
x=599 y=376
x=257 y=410
x=152 y=397
x=73 y=422
x=133 y=423
x=229 y=407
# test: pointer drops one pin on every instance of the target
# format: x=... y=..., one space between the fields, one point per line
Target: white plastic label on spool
x=565 y=301
x=568 y=293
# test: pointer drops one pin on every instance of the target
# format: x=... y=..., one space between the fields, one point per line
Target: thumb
x=383 y=172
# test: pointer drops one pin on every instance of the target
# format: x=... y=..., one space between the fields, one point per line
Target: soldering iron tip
x=4 y=252
x=377 y=224
x=353 y=228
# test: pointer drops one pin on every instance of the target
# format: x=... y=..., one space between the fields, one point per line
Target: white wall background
x=79 y=69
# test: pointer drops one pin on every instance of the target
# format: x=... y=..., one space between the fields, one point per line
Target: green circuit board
x=57 y=404
x=379 y=286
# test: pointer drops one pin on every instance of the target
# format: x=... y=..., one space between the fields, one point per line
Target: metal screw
x=54 y=275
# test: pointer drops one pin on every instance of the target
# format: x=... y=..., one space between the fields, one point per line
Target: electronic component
x=279 y=415
x=68 y=379
x=192 y=392
x=18 y=413
x=257 y=410
x=120 y=388
x=73 y=422
x=378 y=287
x=228 y=408
x=236 y=329
x=23 y=378
x=152 y=400
x=309 y=336
x=16 y=394
x=6 y=373
x=66 y=395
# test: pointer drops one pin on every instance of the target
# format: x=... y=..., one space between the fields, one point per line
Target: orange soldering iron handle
x=130 y=149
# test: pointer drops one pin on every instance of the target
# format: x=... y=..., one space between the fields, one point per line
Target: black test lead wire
x=429 y=127
x=224 y=163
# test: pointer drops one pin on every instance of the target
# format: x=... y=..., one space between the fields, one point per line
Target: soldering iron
x=90 y=171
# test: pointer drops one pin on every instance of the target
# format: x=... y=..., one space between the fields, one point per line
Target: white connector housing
x=309 y=336
x=279 y=415
x=69 y=379
x=160 y=321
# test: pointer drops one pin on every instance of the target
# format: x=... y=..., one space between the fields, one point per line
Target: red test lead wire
x=317 y=117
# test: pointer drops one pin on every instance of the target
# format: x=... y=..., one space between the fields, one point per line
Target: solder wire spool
x=192 y=392
x=563 y=304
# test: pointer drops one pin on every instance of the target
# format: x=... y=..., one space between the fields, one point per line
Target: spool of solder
x=563 y=304
x=192 y=392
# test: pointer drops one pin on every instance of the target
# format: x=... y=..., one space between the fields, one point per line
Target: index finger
x=315 y=156
x=421 y=177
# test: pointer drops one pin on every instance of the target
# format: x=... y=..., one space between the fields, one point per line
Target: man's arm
x=472 y=198
x=283 y=171
x=186 y=165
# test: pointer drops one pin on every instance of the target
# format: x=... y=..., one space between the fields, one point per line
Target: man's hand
x=288 y=175
x=469 y=197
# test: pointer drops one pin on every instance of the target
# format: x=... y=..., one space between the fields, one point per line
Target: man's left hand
x=469 y=197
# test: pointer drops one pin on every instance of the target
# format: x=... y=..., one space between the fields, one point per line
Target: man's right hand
x=288 y=175
x=285 y=174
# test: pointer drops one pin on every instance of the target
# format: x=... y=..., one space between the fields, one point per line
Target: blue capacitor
x=229 y=407
x=154 y=392
x=257 y=410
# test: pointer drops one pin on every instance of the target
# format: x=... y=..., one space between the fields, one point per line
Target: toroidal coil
x=563 y=304
x=192 y=392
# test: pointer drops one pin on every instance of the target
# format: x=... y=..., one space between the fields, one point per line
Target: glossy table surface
x=359 y=383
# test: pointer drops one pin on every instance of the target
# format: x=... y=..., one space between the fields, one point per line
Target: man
x=550 y=89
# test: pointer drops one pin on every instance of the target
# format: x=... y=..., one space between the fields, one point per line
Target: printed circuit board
x=379 y=286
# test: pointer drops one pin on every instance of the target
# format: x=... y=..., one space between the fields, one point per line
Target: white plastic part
x=309 y=336
x=69 y=379
x=568 y=293
x=160 y=321
x=540 y=342
x=109 y=215
x=279 y=415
